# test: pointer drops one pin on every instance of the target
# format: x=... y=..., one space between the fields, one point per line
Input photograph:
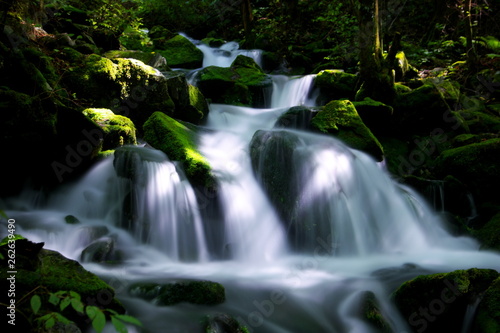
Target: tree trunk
x=471 y=50
x=247 y=16
x=375 y=73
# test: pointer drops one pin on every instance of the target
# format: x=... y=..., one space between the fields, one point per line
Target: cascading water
x=360 y=233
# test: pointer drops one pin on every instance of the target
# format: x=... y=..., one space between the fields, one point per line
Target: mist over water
x=360 y=231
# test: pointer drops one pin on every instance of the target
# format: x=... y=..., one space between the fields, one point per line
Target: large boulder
x=152 y=59
x=477 y=165
x=272 y=156
x=243 y=83
x=195 y=292
x=41 y=271
x=298 y=117
x=438 y=302
x=126 y=86
x=340 y=119
x=190 y=104
x=488 y=312
x=178 y=50
x=335 y=84
x=179 y=143
x=118 y=130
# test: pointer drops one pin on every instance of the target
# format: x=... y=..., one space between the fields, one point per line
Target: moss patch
x=488 y=313
x=340 y=119
x=244 y=83
x=118 y=130
x=195 y=292
x=443 y=296
x=180 y=52
x=335 y=84
x=179 y=143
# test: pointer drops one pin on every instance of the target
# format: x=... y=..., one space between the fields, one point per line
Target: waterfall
x=224 y=55
x=301 y=257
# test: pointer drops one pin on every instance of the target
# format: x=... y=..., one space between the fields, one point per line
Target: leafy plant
x=64 y=300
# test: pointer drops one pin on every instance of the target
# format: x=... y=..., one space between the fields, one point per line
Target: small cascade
x=293 y=91
x=469 y=316
x=224 y=55
x=341 y=197
x=141 y=191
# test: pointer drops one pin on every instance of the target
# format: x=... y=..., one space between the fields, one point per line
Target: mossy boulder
x=371 y=313
x=152 y=59
x=179 y=52
x=488 y=312
x=223 y=323
x=126 y=86
x=376 y=115
x=272 y=157
x=190 y=104
x=489 y=234
x=477 y=165
x=426 y=108
x=340 y=119
x=403 y=69
x=335 y=84
x=434 y=302
x=41 y=271
x=195 y=292
x=243 y=83
x=118 y=130
x=298 y=117
x=179 y=143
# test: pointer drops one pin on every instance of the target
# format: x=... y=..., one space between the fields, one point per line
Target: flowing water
x=362 y=232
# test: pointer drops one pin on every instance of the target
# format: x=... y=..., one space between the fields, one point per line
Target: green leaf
x=74 y=294
x=64 y=303
x=36 y=303
x=77 y=305
x=91 y=311
x=119 y=325
x=99 y=321
x=129 y=319
x=2 y=214
x=60 y=318
x=50 y=322
x=54 y=299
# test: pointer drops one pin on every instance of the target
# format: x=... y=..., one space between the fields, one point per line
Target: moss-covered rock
x=190 y=104
x=489 y=234
x=179 y=143
x=126 y=86
x=179 y=52
x=434 y=302
x=403 y=69
x=335 y=84
x=371 y=313
x=195 y=292
x=223 y=323
x=376 y=115
x=243 y=83
x=340 y=119
x=477 y=165
x=426 y=108
x=488 y=313
x=41 y=271
x=298 y=117
x=118 y=130
x=152 y=59
x=272 y=156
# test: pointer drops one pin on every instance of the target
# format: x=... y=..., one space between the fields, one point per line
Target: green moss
x=335 y=84
x=179 y=143
x=372 y=314
x=488 y=313
x=454 y=290
x=180 y=52
x=489 y=234
x=341 y=119
x=145 y=57
x=71 y=219
x=118 y=130
x=195 y=292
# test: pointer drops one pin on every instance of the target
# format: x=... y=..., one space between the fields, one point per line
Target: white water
x=367 y=229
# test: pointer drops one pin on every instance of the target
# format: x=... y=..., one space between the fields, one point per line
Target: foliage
x=70 y=300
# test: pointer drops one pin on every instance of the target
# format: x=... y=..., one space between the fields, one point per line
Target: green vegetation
x=179 y=143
